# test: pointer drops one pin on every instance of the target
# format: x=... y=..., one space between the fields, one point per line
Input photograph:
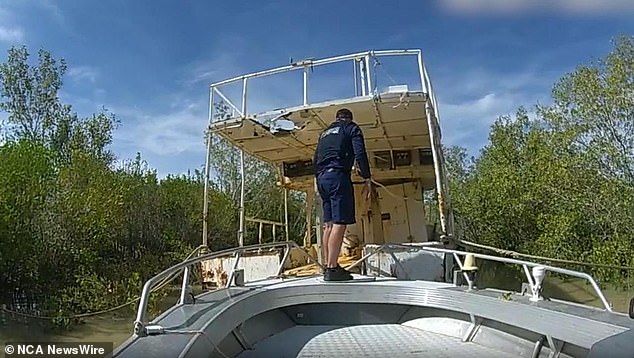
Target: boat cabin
x=402 y=136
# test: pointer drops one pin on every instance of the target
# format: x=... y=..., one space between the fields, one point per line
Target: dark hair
x=344 y=113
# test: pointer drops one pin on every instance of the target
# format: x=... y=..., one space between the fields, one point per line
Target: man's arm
x=360 y=154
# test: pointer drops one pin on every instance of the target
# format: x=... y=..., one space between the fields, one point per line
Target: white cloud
x=11 y=34
x=54 y=11
x=15 y=15
x=475 y=82
x=172 y=142
x=467 y=110
x=180 y=131
x=571 y=7
x=83 y=73
x=225 y=60
x=50 y=7
x=212 y=70
x=467 y=123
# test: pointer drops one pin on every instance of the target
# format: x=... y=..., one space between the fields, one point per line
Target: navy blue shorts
x=337 y=195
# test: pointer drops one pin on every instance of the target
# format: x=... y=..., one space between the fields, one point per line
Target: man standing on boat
x=338 y=147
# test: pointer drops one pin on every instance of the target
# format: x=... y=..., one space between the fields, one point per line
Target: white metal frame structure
x=364 y=91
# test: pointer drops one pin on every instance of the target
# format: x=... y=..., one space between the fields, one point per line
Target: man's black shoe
x=337 y=274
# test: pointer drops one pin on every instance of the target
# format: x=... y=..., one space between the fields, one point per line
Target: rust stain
x=221 y=277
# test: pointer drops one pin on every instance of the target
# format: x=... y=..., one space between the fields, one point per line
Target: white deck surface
x=388 y=340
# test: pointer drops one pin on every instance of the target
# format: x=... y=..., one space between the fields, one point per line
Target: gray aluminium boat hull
x=234 y=321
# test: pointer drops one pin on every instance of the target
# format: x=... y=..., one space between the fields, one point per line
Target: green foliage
x=594 y=105
x=26 y=179
x=559 y=184
x=30 y=96
x=77 y=235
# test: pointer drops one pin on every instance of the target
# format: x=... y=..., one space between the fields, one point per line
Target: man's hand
x=366 y=192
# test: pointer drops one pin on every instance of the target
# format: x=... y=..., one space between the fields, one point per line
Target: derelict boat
x=414 y=294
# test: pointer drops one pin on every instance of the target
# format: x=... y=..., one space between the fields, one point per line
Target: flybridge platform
x=393 y=123
x=400 y=125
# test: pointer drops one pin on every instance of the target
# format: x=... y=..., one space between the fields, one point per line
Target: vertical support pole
x=207 y=169
x=434 y=146
x=286 y=213
x=368 y=73
x=319 y=227
x=236 y=261
x=260 y=233
x=241 y=230
x=445 y=216
x=244 y=98
x=305 y=85
x=310 y=199
x=362 y=77
x=356 y=79
x=273 y=231
x=287 y=253
x=184 y=287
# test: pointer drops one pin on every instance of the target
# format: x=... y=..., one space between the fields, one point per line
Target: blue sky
x=150 y=62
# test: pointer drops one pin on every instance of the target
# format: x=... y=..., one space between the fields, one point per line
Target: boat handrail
x=141 y=319
x=364 y=59
x=524 y=264
x=299 y=65
x=140 y=323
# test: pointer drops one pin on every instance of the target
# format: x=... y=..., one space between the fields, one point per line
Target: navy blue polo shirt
x=339 y=146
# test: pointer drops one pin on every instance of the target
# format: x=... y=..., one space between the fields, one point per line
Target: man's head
x=344 y=114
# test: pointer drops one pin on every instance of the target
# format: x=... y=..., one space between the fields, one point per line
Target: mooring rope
x=511 y=253
x=396 y=196
x=516 y=254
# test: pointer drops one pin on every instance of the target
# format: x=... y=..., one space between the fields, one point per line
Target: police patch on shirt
x=334 y=130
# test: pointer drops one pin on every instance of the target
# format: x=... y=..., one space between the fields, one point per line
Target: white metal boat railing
x=140 y=323
x=362 y=60
x=525 y=264
x=274 y=225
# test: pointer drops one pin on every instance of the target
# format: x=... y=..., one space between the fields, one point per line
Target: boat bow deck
x=218 y=313
x=380 y=340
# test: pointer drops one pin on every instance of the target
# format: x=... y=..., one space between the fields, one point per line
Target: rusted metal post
x=310 y=199
x=274 y=232
x=286 y=213
x=241 y=230
x=207 y=170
